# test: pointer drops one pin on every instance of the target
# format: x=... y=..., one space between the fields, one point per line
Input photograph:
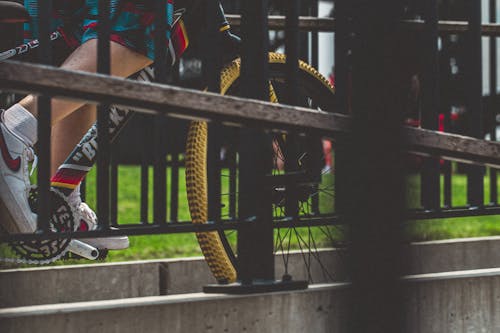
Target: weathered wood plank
x=309 y=23
x=163 y=99
x=453 y=146
x=185 y=103
x=277 y=22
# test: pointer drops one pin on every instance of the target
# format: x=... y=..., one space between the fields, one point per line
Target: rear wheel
x=302 y=251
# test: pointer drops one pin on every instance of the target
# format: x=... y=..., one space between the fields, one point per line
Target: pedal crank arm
x=83 y=249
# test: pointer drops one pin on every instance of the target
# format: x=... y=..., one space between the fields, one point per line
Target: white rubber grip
x=83 y=249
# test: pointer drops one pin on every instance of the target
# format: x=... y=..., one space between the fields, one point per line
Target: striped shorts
x=132 y=22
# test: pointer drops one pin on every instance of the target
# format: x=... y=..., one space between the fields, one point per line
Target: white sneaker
x=15 y=212
x=88 y=221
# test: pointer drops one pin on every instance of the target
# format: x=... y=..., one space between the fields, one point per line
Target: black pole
x=493 y=97
x=103 y=139
x=314 y=35
x=160 y=72
x=445 y=105
x=212 y=64
x=376 y=180
x=342 y=68
x=292 y=49
x=256 y=262
x=475 y=187
x=114 y=191
x=44 y=120
x=430 y=104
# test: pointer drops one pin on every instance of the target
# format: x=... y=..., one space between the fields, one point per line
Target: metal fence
x=369 y=193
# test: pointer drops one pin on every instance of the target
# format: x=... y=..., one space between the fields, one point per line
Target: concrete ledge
x=455 y=302
x=62 y=284
x=47 y=285
x=313 y=310
x=461 y=302
x=454 y=254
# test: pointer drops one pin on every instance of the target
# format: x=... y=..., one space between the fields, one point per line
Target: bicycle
x=218 y=246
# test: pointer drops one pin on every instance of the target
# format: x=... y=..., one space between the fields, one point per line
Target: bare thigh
x=124 y=62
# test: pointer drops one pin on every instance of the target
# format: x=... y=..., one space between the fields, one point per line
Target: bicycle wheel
x=299 y=244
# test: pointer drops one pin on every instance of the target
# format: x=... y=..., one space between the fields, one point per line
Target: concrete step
x=462 y=301
x=61 y=284
x=92 y=282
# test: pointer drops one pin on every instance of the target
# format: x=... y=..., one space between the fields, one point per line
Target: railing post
x=292 y=50
x=160 y=76
x=256 y=262
x=376 y=182
x=493 y=98
x=475 y=186
x=445 y=105
x=430 y=104
x=103 y=161
x=44 y=120
x=342 y=98
x=212 y=64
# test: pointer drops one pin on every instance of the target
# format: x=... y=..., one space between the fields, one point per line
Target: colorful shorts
x=132 y=22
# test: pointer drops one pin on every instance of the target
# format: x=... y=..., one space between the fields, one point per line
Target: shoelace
x=32 y=157
x=88 y=215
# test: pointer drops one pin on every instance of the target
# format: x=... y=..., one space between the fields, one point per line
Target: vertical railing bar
x=341 y=44
x=175 y=163
x=103 y=161
x=114 y=191
x=493 y=97
x=292 y=51
x=144 y=190
x=376 y=175
x=292 y=40
x=232 y=178
x=430 y=104
x=475 y=185
x=212 y=64
x=314 y=36
x=160 y=47
x=313 y=11
x=342 y=17
x=83 y=189
x=445 y=72
x=44 y=121
x=214 y=172
x=255 y=262
x=174 y=186
x=145 y=138
x=160 y=73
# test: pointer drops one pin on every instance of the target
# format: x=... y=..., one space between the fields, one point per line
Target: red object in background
x=416 y=161
x=331 y=79
x=453 y=117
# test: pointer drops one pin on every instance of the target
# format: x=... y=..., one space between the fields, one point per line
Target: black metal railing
x=367 y=132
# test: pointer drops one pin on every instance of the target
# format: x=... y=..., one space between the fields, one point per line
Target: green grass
x=150 y=246
x=182 y=245
x=472 y=226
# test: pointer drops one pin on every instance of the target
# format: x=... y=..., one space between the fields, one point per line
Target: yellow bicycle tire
x=210 y=243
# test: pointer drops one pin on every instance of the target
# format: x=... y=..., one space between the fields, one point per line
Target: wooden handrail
x=185 y=103
x=326 y=24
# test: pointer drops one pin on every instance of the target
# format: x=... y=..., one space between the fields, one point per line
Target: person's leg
x=18 y=134
x=67 y=133
x=124 y=62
